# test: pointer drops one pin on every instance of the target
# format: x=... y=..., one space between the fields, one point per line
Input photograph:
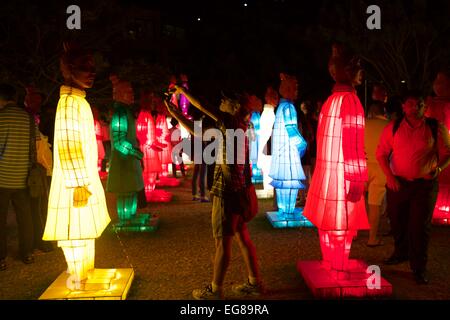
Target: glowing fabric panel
x=255 y=120
x=100 y=148
x=126 y=206
x=119 y=130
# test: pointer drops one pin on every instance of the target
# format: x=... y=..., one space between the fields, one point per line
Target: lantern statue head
x=146 y=99
x=183 y=78
x=33 y=100
x=230 y=103
x=77 y=66
x=344 y=67
x=122 y=90
x=271 y=97
x=288 y=87
x=249 y=103
x=441 y=85
x=172 y=80
x=379 y=93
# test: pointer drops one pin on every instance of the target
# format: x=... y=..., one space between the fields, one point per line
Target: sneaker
x=247 y=289
x=204 y=199
x=206 y=294
x=195 y=198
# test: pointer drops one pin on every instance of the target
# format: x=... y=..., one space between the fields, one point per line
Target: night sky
x=233 y=46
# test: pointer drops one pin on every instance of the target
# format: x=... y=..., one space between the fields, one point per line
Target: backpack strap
x=434 y=125
x=33 y=151
x=396 y=125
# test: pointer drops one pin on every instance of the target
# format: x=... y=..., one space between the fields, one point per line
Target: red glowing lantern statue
x=150 y=146
x=439 y=108
x=335 y=203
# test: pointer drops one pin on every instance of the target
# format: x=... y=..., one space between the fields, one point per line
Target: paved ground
x=177 y=258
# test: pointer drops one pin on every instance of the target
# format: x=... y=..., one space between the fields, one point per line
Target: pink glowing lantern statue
x=335 y=202
x=146 y=134
x=439 y=108
x=184 y=102
x=99 y=138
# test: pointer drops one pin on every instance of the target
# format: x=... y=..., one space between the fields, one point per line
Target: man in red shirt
x=411 y=154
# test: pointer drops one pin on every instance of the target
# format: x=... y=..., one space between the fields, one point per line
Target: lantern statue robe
x=254 y=145
x=340 y=162
x=75 y=165
x=125 y=172
x=439 y=108
x=287 y=147
x=267 y=121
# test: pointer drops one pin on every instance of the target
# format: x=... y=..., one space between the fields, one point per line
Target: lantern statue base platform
x=282 y=220
x=102 y=284
x=264 y=193
x=143 y=222
x=441 y=222
x=257 y=179
x=168 y=182
x=158 y=196
x=324 y=284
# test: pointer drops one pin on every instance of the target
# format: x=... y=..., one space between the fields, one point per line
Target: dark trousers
x=39 y=208
x=107 y=147
x=410 y=210
x=198 y=178
x=174 y=167
x=20 y=199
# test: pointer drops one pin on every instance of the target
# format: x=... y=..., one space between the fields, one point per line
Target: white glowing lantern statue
x=264 y=158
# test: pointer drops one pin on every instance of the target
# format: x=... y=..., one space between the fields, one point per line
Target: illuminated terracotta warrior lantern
x=150 y=146
x=439 y=108
x=125 y=170
x=77 y=211
x=99 y=137
x=335 y=202
x=266 y=123
x=286 y=170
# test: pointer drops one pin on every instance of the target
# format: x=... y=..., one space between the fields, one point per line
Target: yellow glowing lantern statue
x=77 y=211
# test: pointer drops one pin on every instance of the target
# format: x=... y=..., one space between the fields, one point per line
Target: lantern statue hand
x=81 y=196
x=179 y=89
x=355 y=191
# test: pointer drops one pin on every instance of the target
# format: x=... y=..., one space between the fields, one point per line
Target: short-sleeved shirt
x=238 y=182
x=14 y=146
x=412 y=150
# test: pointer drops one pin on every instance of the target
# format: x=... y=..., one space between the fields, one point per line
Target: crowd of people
x=389 y=159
